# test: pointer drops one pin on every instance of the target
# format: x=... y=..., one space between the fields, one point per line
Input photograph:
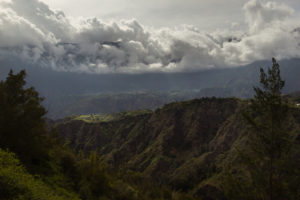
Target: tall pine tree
x=22 y=125
x=270 y=139
x=266 y=167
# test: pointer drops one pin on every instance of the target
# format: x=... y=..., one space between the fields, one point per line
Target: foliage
x=58 y=171
x=168 y=147
x=265 y=165
x=48 y=168
x=177 y=152
x=97 y=118
x=22 y=127
x=17 y=183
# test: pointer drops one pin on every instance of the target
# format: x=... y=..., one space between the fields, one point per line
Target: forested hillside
x=184 y=145
x=208 y=148
x=195 y=146
x=36 y=164
x=176 y=145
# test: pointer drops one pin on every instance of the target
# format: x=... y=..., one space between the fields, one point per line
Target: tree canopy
x=22 y=125
x=267 y=165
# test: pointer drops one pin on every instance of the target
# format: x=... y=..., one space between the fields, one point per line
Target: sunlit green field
x=96 y=118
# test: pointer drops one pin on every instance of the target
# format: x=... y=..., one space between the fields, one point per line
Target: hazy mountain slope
x=113 y=102
x=70 y=93
x=150 y=91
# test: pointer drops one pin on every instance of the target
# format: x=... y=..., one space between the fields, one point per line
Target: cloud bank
x=30 y=30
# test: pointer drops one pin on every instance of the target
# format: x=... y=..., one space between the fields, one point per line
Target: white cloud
x=259 y=15
x=31 y=30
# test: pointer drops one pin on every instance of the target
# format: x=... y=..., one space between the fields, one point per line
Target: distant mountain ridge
x=64 y=91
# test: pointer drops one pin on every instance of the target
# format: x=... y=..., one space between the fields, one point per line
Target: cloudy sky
x=205 y=14
x=135 y=36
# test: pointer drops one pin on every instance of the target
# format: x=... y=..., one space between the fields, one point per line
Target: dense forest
x=209 y=148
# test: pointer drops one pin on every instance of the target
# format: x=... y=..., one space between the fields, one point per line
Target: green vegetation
x=21 y=120
x=205 y=149
x=39 y=165
x=169 y=147
x=97 y=118
x=267 y=166
x=17 y=183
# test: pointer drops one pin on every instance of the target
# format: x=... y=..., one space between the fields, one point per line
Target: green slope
x=17 y=183
x=170 y=145
x=183 y=145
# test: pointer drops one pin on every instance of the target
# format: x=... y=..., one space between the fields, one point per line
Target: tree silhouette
x=22 y=125
x=270 y=138
x=266 y=162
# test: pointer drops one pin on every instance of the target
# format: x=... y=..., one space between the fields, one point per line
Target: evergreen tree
x=22 y=125
x=267 y=161
x=270 y=139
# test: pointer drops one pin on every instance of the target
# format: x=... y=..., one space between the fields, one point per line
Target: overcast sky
x=205 y=14
x=136 y=36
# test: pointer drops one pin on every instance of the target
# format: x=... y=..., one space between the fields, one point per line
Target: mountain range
x=69 y=93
